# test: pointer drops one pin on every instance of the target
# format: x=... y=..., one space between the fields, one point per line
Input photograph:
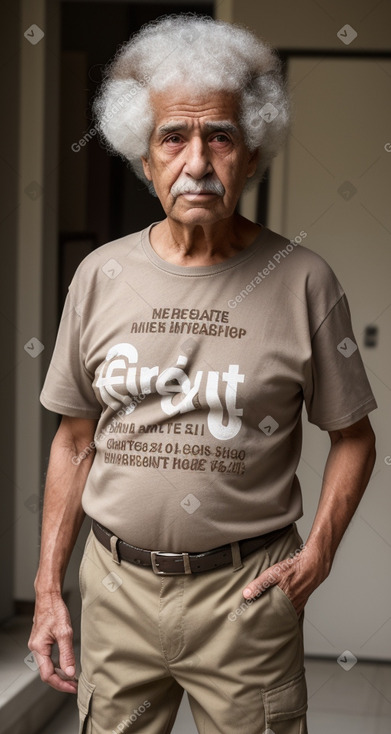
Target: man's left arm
x=348 y=469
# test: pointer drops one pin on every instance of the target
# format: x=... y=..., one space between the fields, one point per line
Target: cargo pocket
x=286 y=705
x=84 y=699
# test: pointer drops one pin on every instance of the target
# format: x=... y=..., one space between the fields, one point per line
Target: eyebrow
x=212 y=125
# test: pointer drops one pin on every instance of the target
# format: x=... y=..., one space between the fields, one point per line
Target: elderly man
x=184 y=355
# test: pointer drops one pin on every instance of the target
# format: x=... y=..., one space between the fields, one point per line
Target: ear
x=252 y=162
x=146 y=168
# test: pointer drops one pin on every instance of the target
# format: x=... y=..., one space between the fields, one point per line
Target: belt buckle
x=155 y=564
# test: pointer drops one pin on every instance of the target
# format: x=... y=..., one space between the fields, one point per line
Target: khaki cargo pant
x=146 y=638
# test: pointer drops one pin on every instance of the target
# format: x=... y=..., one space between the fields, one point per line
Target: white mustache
x=190 y=186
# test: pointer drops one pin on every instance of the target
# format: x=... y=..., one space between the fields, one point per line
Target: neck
x=202 y=244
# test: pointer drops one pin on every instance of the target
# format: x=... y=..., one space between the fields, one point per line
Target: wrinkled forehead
x=182 y=108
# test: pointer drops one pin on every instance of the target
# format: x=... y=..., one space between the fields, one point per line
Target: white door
x=333 y=182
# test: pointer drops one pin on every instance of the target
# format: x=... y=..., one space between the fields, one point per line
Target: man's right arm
x=62 y=519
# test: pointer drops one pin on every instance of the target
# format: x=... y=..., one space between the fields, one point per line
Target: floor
x=354 y=701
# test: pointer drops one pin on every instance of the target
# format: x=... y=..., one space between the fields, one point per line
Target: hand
x=52 y=624
x=298 y=577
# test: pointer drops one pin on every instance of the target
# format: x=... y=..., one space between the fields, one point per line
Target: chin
x=199 y=215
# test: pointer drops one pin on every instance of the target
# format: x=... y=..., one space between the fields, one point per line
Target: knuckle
x=34 y=645
x=65 y=632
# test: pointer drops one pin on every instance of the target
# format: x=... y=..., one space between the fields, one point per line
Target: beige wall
x=340 y=133
x=327 y=155
x=36 y=275
x=9 y=152
x=305 y=24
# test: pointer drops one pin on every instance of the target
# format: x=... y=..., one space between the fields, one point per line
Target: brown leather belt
x=173 y=564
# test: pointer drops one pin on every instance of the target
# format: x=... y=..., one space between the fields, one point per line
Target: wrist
x=46 y=586
x=318 y=561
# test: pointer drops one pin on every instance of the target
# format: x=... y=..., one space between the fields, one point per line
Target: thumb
x=263 y=582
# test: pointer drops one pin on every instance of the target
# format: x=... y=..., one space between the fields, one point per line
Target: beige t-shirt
x=197 y=376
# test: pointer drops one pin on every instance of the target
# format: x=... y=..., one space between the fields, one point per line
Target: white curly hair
x=201 y=54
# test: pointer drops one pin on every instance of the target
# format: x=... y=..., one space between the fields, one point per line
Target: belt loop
x=114 y=550
x=186 y=563
x=236 y=557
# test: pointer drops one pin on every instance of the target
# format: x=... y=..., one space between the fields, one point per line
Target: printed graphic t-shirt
x=197 y=377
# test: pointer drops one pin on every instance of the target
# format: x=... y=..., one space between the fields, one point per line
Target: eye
x=174 y=139
x=221 y=138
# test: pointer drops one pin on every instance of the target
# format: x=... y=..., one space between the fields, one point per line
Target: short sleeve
x=338 y=393
x=68 y=386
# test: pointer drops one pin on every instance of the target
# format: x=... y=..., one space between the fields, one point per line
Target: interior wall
x=9 y=83
x=30 y=341
x=337 y=179
x=334 y=141
x=306 y=24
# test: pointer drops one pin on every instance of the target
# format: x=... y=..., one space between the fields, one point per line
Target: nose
x=197 y=161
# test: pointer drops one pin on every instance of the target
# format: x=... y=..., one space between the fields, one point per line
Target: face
x=197 y=160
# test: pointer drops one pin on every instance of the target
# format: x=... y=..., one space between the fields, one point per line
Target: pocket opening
x=85 y=689
x=287 y=601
